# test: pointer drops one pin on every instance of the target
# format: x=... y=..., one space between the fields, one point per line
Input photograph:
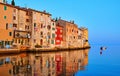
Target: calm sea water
x=88 y=62
x=105 y=64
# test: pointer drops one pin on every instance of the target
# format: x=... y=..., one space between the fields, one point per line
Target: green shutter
x=52 y=41
x=5 y=7
x=53 y=35
x=53 y=24
x=5 y=17
x=53 y=28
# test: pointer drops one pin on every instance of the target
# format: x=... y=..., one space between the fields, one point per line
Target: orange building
x=15 y=25
x=29 y=27
x=70 y=33
x=6 y=31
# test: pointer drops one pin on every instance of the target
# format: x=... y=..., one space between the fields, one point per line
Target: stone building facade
x=70 y=33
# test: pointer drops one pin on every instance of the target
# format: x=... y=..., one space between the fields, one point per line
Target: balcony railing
x=22 y=34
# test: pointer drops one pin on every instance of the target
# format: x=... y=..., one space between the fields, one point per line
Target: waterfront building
x=83 y=37
x=41 y=25
x=70 y=33
x=15 y=29
x=21 y=26
x=80 y=38
x=6 y=30
x=3 y=1
x=32 y=28
x=53 y=32
x=59 y=35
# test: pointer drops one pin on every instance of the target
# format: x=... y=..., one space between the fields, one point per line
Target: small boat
x=103 y=48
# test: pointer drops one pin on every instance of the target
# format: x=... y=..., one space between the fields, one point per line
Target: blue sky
x=101 y=17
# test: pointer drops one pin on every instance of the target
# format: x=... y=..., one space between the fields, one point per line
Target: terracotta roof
x=25 y=9
x=83 y=28
x=67 y=22
x=44 y=12
x=59 y=25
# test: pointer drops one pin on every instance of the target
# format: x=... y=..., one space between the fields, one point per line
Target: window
x=14 y=25
x=19 y=41
x=27 y=20
x=6 y=26
x=72 y=30
x=58 y=41
x=74 y=37
x=14 y=17
x=27 y=13
x=61 y=31
x=77 y=31
x=5 y=17
x=5 y=7
x=6 y=42
x=52 y=41
x=53 y=35
x=48 y=27
x=15 y=40
x=53 y=24
x=10 y=33
x=41 y=33
x=53 y=28
x=34 y=25
x=41 y=25
x=34 y=40
x=2 y=43
x=60 y=35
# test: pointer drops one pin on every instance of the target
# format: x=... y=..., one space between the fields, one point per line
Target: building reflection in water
x=44 y=64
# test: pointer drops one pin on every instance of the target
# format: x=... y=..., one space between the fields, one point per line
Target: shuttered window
x=5 y=7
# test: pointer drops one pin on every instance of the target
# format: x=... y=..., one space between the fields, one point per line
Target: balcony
x=21 y=34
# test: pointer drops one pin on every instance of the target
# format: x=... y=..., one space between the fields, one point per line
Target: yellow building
x=83 y=36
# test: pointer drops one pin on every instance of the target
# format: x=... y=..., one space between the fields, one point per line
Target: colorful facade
x=53 y=29
x=32 y=28
x=6 y=30
x=70 y=33
x=21 y=26
x=41 y=28
x=83 y=36
x=59 y=35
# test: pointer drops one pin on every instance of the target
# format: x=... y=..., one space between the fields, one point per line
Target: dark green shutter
x=5 y=7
